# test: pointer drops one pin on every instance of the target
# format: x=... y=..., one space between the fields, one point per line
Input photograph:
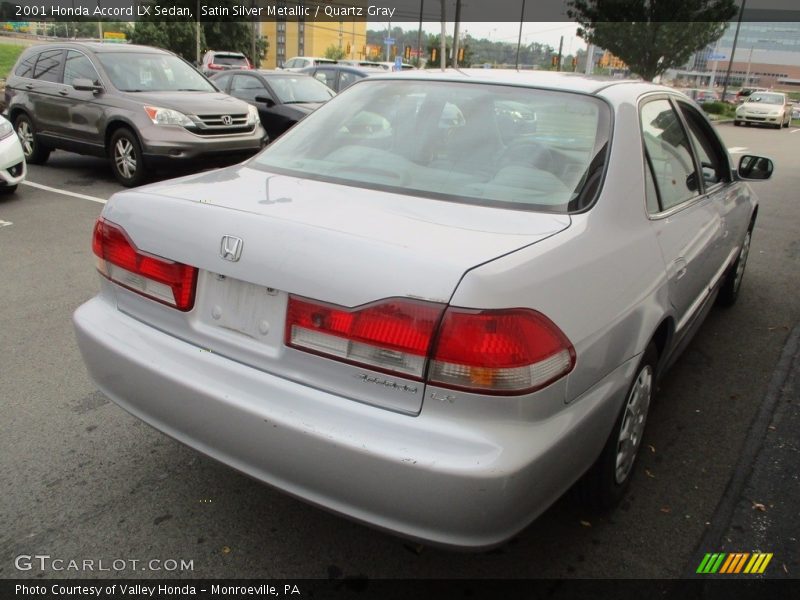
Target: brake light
x=511 y=351
x=499 y=351
x=215 y=67
x=391 y=335
x=122 y=262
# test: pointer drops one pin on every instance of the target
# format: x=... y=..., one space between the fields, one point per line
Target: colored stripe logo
x=734 y=563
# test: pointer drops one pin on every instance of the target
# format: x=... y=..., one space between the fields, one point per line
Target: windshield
x=765 y=98
x=299 y=89
x=146 y=72
x=482 y=144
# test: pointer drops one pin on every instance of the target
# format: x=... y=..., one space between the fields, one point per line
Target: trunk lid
x=331 y=243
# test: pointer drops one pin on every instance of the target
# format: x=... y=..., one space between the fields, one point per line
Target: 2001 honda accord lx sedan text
x=432 y=325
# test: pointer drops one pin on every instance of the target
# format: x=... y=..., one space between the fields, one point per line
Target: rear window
x=491 y=145
x=230 y=59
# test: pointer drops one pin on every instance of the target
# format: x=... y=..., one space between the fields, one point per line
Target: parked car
x=701 y=96
x=361 y=63
x=338 y=77
x=390 y=66
x=742 y=94
x=301 y=62
x=765 y=108
x=282 y=98
x=432 y=325
x=141 y=107
x=223 y=60
x=12 y=158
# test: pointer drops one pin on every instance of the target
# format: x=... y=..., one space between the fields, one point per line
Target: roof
x=572 y=82
x=99 y=47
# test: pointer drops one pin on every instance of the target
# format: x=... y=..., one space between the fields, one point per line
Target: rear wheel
x=127 y=162
x=35 y=153
x=737 y=123
x=729 y=292
x=605 y=484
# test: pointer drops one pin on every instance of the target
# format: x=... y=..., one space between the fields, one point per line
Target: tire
x=125 y=154
x=729 y=292
x=35 y=152
x=606 y=483
x=737 y=123
x=8 y=189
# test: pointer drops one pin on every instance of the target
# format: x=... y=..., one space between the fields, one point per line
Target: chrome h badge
x=231 y=248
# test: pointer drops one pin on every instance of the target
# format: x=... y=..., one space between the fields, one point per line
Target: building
x=767 y=55
x=294 y=36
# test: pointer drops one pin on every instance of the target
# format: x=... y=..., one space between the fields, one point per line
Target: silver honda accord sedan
x=435 y=304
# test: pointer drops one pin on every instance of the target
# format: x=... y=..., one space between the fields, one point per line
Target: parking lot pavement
x=82 y=479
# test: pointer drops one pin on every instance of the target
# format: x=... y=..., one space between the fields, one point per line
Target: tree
x=334 y=52
x=236 y=36
x=177 y=36
x=651 y=36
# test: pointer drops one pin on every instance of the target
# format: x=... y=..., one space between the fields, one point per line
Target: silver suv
x=141 y=107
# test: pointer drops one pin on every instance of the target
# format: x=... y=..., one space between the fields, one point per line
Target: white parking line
x=5 y=223
x=794 y=130
x=737 y=149
x=64 y=192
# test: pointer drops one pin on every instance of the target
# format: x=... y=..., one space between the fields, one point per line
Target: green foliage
x=334 y=52
x=176 y=36
x=8 y=56
x=651 y=36
x=715 y=108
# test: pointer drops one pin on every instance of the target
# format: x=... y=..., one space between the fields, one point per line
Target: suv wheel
x=35 y=153
x=127 y=162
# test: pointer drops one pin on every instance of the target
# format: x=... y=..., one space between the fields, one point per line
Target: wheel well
x=113 y=127
x=662 y=337
x=15 y=112
x=753 y=218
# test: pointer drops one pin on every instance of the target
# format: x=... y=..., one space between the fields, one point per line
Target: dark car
x=282 y=97
x=215 y=61
x=338 y=77
x=139 y=106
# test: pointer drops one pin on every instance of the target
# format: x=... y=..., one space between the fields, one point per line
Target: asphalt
x=759 y=511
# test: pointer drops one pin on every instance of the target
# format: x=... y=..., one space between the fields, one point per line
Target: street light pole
x=519 y=39
x=733 y=51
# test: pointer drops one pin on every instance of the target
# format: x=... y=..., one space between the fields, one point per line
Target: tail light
x=510 y=351
x=215 y=67
x=122 y=262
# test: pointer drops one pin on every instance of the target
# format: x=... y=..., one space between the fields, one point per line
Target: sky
x=543 y=33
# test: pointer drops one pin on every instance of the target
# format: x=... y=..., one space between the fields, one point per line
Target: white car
x=12 y=160
x=303 y=62
x=765 y=108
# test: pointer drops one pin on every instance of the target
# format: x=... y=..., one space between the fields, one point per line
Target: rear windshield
x=299 y=89
x=229 y=59
x=145 y=72
x=484 y=144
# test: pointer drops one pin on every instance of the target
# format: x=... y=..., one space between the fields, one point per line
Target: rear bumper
x=460 y=483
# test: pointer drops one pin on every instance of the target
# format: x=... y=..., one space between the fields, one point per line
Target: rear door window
x=49 y=66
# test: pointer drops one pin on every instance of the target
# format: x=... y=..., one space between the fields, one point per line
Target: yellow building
x=291 y=37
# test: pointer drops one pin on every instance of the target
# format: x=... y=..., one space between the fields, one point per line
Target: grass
x=8 y=56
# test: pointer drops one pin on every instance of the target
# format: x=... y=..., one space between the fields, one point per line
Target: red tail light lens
x=215 y=67
x=122 y=262
x=392 y=335
x=508 y=351
x=511 y=351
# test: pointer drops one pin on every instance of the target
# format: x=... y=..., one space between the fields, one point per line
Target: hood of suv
x=192 y=103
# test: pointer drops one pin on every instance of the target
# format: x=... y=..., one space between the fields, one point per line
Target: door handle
x=28 y=86
x=63 y=92
x=680 y=268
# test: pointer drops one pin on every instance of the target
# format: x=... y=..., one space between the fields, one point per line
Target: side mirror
x=266 y=100
x=755 y=168
x=86 y=85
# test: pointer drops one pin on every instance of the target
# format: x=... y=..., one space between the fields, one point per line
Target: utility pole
x=455 y=34
x=197 y=37
x=560 y=48
x=419 y=34
x=253 y=56
x=733 y=51
x=519 y=39
x=443 y=40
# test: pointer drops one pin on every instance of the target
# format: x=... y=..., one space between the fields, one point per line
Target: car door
x=686 y=221
x=249 y=87
x=84 y=122
x=46 y=93
x=729 y=198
